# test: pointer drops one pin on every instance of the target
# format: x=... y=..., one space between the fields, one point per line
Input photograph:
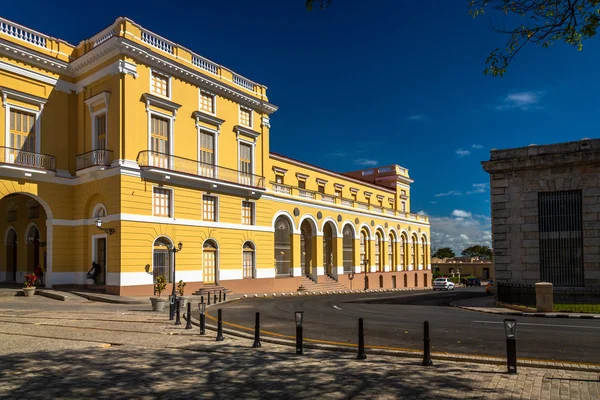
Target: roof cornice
x=35 y=58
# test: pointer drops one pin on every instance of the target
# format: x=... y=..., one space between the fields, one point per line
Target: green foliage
x=160 y=284
x=436 y=273
x=180 y=287
x=454 y=279
x=483 y=252
x=444 y=252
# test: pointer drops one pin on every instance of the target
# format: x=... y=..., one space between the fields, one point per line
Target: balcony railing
x=327 y=198
x=148 y=158
x=20 y=32
x=94 y=157
x=27 y=159
x=362 y=206
x=347 y=203
x=307 y=194
x=281 y=188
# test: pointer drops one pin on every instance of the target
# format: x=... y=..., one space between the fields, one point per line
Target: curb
x=100 y=298
x=528 y=314
x=332 y=292
x=405 y=353
x=52 y=295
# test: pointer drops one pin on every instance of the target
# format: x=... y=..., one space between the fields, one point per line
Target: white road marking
x=336 y=307
x=555 y=325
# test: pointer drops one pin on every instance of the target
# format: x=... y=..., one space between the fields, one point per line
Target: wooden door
x=209 y=263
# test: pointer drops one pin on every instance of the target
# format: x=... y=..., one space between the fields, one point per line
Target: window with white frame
x=245 y=116
x=161 y=202
x=100 y=131
x=209 y=208
x=246 y=168
x=22 y=130
x=159 y=84
x=207 y=102
x=247 y=213
x=160 y=138
x=403 y=206
x=207 y=154
x=248 y=260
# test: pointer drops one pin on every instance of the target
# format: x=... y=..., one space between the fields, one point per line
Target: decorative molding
x=240 y=130
x=354 y=190
x=165 y=104
x=201 y=116
x=58 y=84
x=279 y=170
x=118 y=67
x=368 y=194
x=30 y=56
x=21 y=96
x=338 y=186
x=301 y=176
x=321 y=181
x=100 y=98
x=266 y=122
x=380 y=197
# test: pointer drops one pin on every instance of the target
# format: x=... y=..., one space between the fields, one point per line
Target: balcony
x=94 y=158
x=27 y=159
x=197 y=174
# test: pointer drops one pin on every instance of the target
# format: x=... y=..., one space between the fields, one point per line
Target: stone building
x=545 y=204
x=463 y=267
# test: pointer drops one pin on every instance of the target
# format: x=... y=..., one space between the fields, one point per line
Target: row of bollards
x=510 y=326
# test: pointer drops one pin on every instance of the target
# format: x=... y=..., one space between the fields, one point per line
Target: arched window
x=161 y=257
x=424 y=251
x=248 y=260
x=348 y=245
x=378 y=248
x=392 y=252
x=403 y=244
x=364 y=249
x=283 y=246
x=328 y=248
x=413 y=257
x=210 y=262
x=306 y=247
x=99 y=211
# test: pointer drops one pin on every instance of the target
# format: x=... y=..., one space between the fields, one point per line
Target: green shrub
x=180 y=287
x=160 y=284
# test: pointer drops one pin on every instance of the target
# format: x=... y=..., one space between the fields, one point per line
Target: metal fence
x=520 y=295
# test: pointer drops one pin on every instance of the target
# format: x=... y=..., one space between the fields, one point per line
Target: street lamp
x=174 y=250
x=299 y=320
x=351 y=277
x=202 y=308
x=510 y=327
x=366 y=263
x=108 y=231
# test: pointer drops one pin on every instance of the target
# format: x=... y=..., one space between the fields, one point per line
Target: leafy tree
x=444 y=252
x=483 y=252
x=542 y=23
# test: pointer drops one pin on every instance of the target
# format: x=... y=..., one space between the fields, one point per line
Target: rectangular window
x=209 y=208
x=403 y=206
x=22 y=131
x=321 y=189
x=207 y=102
x=561 y=238
x=245 y=117
x=159 y=84
x=100 y=131
x=247 y=213
x=279 y=179
x=207 y=154
x=246 y=168
x=161 y=202
x=338 y=192
x=301 y=184
x=160 y=136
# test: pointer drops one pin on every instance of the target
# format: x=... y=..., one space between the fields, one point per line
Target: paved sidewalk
x=125 y=351
x=487 y=304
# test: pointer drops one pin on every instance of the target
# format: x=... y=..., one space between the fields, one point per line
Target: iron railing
x=516 y=294
x=94 y=157
x=149 y=158
x=9 y=155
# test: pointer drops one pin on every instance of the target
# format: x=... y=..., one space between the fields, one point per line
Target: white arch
x=392 y=231
x=313 y=221
x=405 y=232
x=348 y=222
x=365 y=225
x=217 y=258
x=42 y=202
x=338 y=233
x=423 y=234
x=379 y=228
x=8 y=229
x=415 y=235
x=97 y=208
x=285 y=214
x=29 y=226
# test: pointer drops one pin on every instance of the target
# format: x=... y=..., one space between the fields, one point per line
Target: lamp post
x=510 y=327
x=299 y=320
x=108 y=231
x=202 y=308
x=351 y=277
x=366 y=263
x=174 y=250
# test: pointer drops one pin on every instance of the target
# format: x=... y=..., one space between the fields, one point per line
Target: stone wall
x=516 y=178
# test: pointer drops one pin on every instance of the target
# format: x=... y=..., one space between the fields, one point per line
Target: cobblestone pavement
x=129 y=352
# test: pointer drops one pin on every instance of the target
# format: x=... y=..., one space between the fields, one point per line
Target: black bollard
x=225 y=295
x=256 y=331
x=188 y=325
x=178 y=318
x=361 y=341
x=220 y=327
x=208 y=293
x=426 y=346
x=510 y=326
x=215 y=298
x=202 y=318
x=220 y=296
x=202 y=299
x=171 y=308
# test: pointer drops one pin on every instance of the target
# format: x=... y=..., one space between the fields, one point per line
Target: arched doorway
x=378 y=250
x=33 y=248
x=248 y=260
x=381 y=281
x=306 y=247
x=328 y=248
x=392 y=252
x=425 y=283
x=348 y=248
x=283 y=246
x=11 y=255
x=364 y=251
x=210 y=262
x=161 y=258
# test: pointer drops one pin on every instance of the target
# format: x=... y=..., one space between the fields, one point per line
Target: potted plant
x=28 y=287
x=180 y=291
x=158 y=303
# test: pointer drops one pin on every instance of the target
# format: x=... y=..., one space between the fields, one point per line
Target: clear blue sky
x=394 y=82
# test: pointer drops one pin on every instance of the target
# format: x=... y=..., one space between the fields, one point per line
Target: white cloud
x=365 y=162
x=459 y=233
x=477 y=146
x=521 y=100
x=417 y=117
x=478 y=188
x=461 y=214
x=450 y=193
x=422 y=212
x=463 y=152
x=433 y=202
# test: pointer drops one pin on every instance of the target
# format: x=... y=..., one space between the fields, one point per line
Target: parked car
x=490 y=287
x=443 y=283
x=472 y=282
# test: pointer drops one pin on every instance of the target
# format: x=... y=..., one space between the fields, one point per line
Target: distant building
x=465 y=266
x=545 y=204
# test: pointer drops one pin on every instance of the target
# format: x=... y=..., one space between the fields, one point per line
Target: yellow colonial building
x=119 y=148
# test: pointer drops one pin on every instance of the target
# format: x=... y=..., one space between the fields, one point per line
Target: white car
x=443 y=283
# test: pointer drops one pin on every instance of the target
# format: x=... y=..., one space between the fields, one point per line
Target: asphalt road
x=396 y=320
